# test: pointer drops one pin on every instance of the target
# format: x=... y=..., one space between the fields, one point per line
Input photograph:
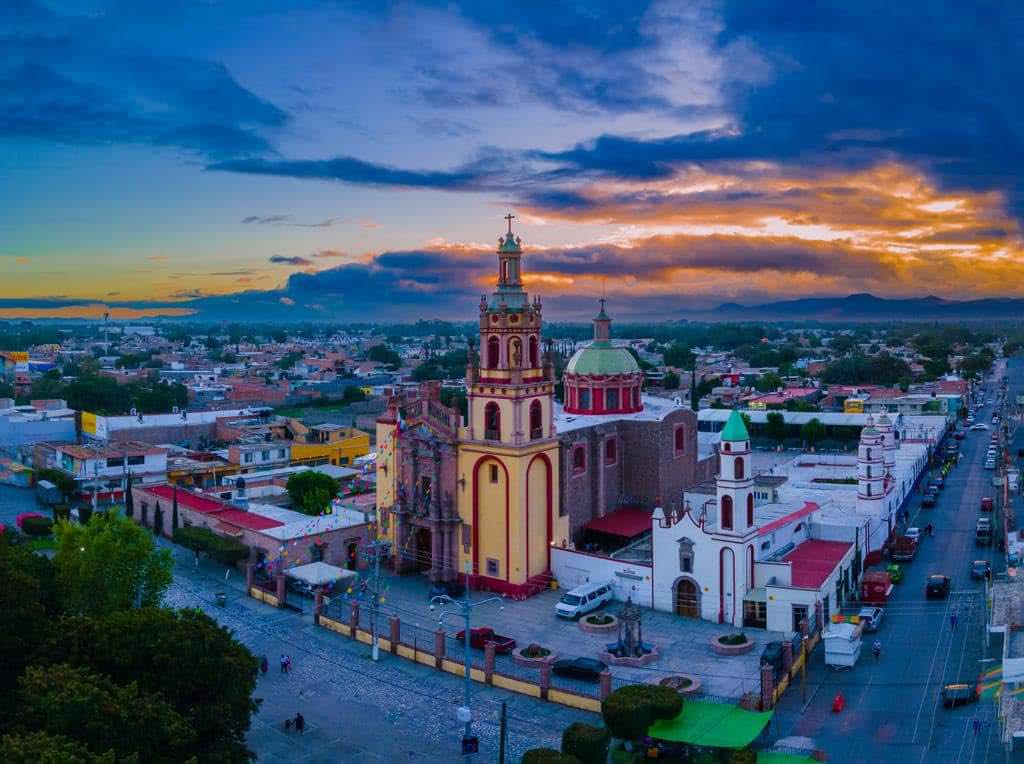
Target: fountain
x=630 y=648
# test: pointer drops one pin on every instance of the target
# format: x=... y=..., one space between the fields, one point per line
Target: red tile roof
x=626 y=522
x=814 y=560
x=224 y=512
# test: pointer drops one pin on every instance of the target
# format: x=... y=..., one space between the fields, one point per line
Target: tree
x=129 y=499
x=768 y=382
x=385 y=355
x=670 y=381
x=813 y=431
x=678 y=356
x=311 y=492
x=175 y=524
x=775 y=426
x=195 y=664
x=586 y=742
x=23 y=614
x=76 y=702
x=41 y=748
x=111 y=564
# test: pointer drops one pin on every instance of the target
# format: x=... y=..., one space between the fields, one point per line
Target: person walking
x=953 y=618
x=264 y=664
x=976 y=725
x=300 y=723
x=876 y=650
x=287 y=664
x=284 y=663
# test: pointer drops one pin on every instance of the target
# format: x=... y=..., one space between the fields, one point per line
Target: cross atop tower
x=510 y=217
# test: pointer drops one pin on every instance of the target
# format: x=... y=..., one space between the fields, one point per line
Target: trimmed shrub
x=733 y=639
x=225 y=550
x=84 y=514
x=548 y=756
x=587 y=743
x=626 y=715
x=37 y=526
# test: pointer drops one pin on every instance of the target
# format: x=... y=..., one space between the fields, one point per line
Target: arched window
x=585 y=398
x=515 y=353
x=726 y=513
x=636 y=397
x=536 y=421
x=611 y=399
x=493 y=353
x=869 y=455
x=738 y=468
x=869 y=470
x=492 y=421
x=610 y=451
x=534 y=360
x=680 y=440
x=750 y=510
x=727 y=446
x=869 y=489
x=579 y=460
x=685 y=555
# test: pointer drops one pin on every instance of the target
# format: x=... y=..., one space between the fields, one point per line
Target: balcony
x=536 y=433
x=492 y=435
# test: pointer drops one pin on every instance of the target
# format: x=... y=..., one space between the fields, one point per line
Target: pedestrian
x=284 y=663
x=976 y=724
x=287 y=664
x=264 y=664
x=287 y=725
x=876 y=649
x=300 y=723
x=953 y=618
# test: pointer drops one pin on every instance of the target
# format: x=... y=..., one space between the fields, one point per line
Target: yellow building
x=480 y=494
x=334 y=444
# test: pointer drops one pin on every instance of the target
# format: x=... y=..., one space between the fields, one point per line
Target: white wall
x=628 y=579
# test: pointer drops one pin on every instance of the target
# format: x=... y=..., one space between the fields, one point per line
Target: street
x=893 y=708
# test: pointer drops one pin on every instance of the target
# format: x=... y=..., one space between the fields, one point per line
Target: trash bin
x=221 y=599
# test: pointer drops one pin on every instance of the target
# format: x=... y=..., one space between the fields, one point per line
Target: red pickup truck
x=481 y=635
x=986 y=504
x=905 y=548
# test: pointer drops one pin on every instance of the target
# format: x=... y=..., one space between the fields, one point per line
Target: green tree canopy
x=311 y=492
x=195 y=664
x=678 y=356
x=768 y=382
x=384 y=354
x=813 y=431
x=775 y=426
x=42 y=748
x=881 y=369
x=108 y=565
x=670 y=381
x=77 y=703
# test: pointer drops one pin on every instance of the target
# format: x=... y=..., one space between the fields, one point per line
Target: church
x=486 y=499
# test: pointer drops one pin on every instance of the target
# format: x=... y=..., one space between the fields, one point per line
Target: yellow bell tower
x=508 y=450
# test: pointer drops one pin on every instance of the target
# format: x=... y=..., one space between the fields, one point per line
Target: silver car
x=871 y=617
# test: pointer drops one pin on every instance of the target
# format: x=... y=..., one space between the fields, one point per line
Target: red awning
x=626 y=522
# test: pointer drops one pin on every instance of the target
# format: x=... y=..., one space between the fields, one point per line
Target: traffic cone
x=838 y=703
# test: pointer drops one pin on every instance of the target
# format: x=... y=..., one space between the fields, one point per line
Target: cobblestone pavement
x=356 y=710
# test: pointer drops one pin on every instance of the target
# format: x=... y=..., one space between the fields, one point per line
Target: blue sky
x=354 y=160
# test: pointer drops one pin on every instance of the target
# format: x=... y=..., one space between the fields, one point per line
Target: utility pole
x=503 y=731
x=373 y=590
x=470 y=744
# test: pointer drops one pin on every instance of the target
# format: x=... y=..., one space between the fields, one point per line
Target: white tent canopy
x=319 y=573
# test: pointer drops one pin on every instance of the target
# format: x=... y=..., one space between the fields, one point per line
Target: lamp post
x=464 y=608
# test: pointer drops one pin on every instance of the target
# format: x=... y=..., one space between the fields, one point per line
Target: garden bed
x=684 y=684
x=606 y=623
x=540 y=655
x=732 y=644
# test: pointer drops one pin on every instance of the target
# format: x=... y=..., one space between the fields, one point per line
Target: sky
x=353 y=161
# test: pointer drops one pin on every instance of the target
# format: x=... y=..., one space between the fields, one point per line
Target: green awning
x=712 y=725
x=776 y=757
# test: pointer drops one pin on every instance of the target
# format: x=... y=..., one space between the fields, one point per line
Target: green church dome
x=602 y=358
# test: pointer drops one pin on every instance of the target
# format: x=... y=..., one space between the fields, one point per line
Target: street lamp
x=465 y=609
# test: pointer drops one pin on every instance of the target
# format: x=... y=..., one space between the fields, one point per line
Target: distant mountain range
x=867 y=307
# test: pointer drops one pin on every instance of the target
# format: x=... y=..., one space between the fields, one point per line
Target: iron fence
x=586 y=688
x=506 y=665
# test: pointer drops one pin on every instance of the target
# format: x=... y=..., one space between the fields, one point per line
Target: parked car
x=895 y=572
x=583 y=599
x=937 y=587
x=986 y=504
x=482 y=635
x=913 y=533
x=990 y=464
x=960 y=694
x=871 y=617
x=940 y=482
x=980 y=570
x=587 y=669
x=979 y=426
x=929 y=500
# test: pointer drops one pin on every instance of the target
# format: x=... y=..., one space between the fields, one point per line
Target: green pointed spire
x=735 y=429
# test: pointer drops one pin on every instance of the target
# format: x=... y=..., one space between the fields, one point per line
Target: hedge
x=37 y=526
x=586 y=742
x=548 y=756
x=225 y=550
x=629 y=711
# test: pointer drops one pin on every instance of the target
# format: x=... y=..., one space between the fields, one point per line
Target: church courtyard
x=682 y=642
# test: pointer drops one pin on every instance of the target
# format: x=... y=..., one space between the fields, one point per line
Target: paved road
x=893 y=710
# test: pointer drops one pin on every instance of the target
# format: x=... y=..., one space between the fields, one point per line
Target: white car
x=990 y=464
x=979 y=426
x=970 y=420
x=871 y=617
x=583 y=599
x=913 y=533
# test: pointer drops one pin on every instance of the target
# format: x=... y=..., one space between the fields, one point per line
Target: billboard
x=88 y=423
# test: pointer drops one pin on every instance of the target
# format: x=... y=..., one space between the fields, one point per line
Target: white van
x=583 y=599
